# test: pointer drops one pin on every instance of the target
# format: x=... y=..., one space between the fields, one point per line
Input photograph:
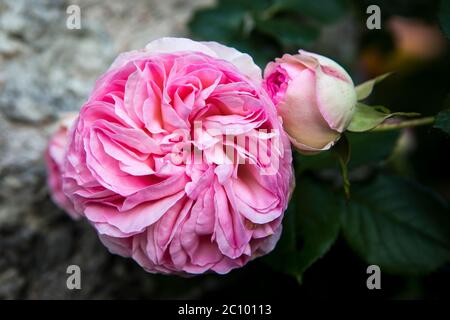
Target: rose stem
x=404 y=124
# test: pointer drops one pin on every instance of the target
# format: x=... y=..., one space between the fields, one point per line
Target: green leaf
x=365 y=89
x=368 y=117
x=221 y=23
x=369 y=148
x=396 y=224
x=311 y=226
x=323 y=160
x=290 y=33
x=443 y=121
x=342 y=150
x=444 y=17
x=318 y=221
x=324 y=11
x=283 y=258
x=260 y=47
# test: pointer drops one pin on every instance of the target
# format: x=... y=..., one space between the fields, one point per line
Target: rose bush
x=122 y=168
x=314 y=96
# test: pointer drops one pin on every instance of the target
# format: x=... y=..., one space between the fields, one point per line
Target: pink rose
x=129 y=171
x=314 y=96
x=54 y=157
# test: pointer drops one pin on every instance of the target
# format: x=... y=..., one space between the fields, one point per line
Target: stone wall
x=47 y=69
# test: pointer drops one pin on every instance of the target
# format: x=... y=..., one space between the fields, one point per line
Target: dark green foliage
x=266 y=29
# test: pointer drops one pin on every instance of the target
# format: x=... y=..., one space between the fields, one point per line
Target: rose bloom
x=54 y=157
x=314 y=96
x=122 y=168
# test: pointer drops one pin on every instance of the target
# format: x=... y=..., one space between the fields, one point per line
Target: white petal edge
x=172 y=44
x=243 y=62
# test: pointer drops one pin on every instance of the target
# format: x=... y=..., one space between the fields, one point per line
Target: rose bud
x=314 y=96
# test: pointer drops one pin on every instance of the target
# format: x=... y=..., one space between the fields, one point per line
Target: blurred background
x=47 y=68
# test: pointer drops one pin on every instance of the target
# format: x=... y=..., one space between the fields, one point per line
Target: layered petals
x=179 y=160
